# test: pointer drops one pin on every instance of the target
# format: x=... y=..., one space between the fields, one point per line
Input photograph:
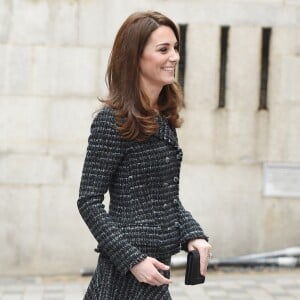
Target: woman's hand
x=204 y=249
x=147 y=271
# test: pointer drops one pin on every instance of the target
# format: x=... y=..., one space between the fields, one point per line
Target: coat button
x=167 y=159
x=179 y=154
x=176 y=179
x=175 y=201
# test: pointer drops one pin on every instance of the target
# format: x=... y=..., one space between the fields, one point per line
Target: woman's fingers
x=203 y=263
x=159 y=265
x=204 y=258
x=204 y=249
x=158 y=279
x=147 y=271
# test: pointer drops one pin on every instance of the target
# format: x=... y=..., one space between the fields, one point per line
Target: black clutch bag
x=192 y=272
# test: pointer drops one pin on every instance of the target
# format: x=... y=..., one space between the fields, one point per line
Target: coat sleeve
x=190 y=228
x=104 y=154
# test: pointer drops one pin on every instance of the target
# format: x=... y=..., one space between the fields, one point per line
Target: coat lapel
x=165 y=132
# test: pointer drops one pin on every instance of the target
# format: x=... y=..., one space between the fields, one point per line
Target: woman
x=133 y=152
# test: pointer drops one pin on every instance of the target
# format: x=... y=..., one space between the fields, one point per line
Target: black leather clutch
x=192 y=272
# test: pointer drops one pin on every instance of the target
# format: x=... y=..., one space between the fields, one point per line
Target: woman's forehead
x=162 y=35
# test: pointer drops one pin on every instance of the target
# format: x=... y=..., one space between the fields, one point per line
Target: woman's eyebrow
x=166 y=44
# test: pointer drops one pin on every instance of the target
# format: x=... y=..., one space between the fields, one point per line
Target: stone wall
x=53 y=56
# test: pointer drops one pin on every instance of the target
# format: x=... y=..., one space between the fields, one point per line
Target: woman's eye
x=163 y=50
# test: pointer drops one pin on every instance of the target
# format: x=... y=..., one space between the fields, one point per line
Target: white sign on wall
x=282 y=180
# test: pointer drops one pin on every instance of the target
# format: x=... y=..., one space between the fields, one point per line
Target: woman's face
x=159 y=59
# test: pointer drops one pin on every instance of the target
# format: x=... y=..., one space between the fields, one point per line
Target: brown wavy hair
x=134 y=115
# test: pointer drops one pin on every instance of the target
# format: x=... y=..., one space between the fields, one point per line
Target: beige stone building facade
x=241 y=167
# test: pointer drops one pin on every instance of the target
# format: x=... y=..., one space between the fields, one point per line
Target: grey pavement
x=220 y=285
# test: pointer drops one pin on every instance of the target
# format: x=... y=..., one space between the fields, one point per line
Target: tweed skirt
x=109 y=284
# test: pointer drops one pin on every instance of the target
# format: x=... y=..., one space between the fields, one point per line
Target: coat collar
x=165 y=132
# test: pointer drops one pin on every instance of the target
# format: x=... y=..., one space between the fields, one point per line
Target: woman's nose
x=174 y=56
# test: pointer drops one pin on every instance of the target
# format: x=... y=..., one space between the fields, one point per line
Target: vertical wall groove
x=265 y=53
x=223 y=65
x=182 y=62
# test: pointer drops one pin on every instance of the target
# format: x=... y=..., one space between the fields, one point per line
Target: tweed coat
x=145 y=216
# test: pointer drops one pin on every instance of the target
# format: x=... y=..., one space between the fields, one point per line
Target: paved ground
x=240 y=285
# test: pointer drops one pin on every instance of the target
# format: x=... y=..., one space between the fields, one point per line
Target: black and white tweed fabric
x=145 y=216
